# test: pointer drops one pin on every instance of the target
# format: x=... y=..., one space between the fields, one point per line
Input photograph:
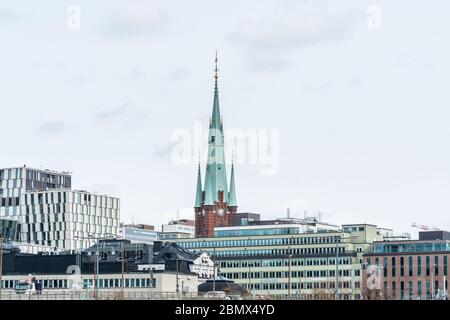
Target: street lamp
x=337 y=262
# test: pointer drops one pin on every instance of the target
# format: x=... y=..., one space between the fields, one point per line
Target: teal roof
x=199 y=193
x=232 y=195
x=216 y=177
x=215 y=173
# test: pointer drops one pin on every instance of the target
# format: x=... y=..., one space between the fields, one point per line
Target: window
x=410 y=266
x=402 y=266
x=436 y=265
x=419 y=266
x=402 y=290
x=411 y=290
x=393 y=267
x=445 y=266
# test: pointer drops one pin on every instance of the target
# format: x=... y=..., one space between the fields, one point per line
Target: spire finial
x=216 y=70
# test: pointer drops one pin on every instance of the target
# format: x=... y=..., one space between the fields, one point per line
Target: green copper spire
x=215 y=178
x=199 y=193
x=232 y=195
x=216 y=122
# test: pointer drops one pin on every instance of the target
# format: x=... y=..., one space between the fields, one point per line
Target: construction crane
x=423 y=227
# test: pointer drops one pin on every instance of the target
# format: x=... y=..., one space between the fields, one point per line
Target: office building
x=49 y=214
x=14 y=182
x=291 y=257
x=139 y=233
x=182 y=228
x=244 y=218
x=68 y=219
x=408 y=269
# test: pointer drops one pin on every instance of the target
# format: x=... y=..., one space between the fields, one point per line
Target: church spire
x=199 y=193
x=216 y=122
x=216 y=204
x=232 y=194
x=215 y=177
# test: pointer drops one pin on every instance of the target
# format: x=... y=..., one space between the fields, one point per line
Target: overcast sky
x=361 y=101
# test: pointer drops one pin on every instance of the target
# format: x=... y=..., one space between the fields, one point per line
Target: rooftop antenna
x=288 y=212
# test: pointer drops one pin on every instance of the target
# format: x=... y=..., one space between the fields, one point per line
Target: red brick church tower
x=216 y=203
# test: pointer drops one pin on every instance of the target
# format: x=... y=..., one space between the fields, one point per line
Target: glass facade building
x=278 y=260
x=8 y=229
x=415 y=269
x=66 y=218
x=16 y=181
x=50 y=214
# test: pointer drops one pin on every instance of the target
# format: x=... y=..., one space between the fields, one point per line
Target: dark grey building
x=244 y=218
x=112 y=255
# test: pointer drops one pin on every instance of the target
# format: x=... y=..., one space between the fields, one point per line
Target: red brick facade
x=407 y=276
x=207 y=218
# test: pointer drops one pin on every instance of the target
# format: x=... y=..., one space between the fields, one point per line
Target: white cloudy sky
x=363 y=114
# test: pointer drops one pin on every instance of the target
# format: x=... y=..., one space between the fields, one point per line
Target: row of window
x=12 y=173
x=416 y=289
x=294 y=274
x=407 y=265
x=276 y=252
x=70 y=197
x=36 y=180
x=284 y=262
x=12 y=184
x=302 y=285
x=412 y=247
x=8 y=192
x=259 y=242
x=88 y=283
x=10 y=202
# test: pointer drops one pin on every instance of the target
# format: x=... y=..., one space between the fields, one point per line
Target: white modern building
x=177 y=229
x=68 y=219
x=139 y=233
x=15 y=182
x=51 y=214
